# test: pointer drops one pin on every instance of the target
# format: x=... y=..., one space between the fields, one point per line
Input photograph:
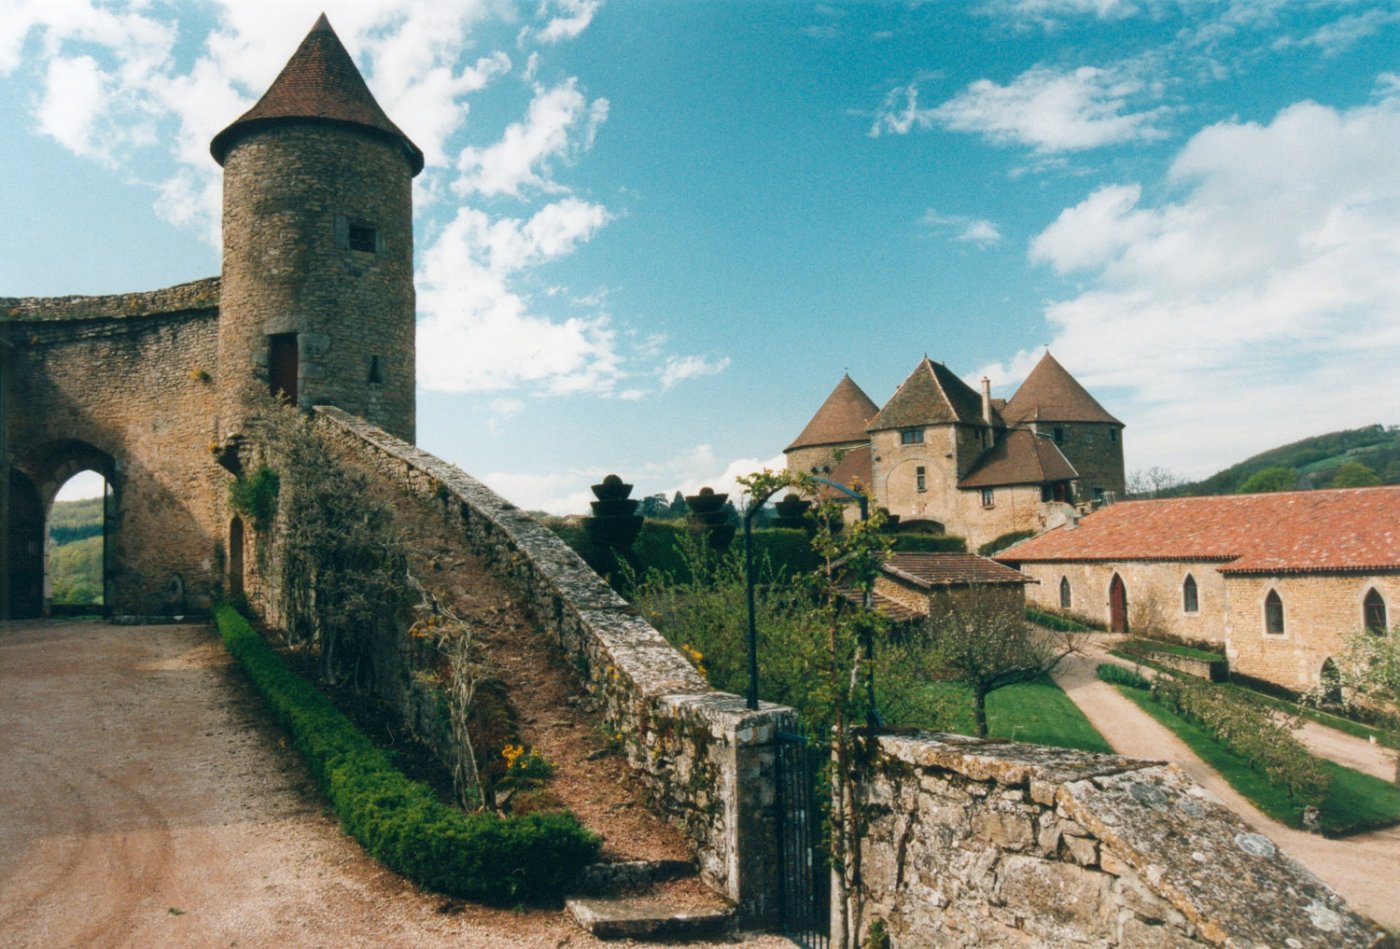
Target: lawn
x=1038 y=712
x=1355 y=802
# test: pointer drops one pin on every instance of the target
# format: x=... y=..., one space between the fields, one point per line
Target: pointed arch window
x=1373 y=612
x=1190 y=599
x=1066 y=594
x=1273 y=614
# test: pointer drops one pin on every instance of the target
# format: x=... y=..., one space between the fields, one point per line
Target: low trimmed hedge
x=1121 y=675
x=1248 y=731
x=479 y=857
x=1061 y=620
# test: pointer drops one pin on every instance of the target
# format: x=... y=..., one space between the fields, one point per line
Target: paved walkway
x=1363 y=868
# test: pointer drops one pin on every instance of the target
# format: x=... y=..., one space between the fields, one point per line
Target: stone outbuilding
x=1275 y=580
x=913 y=584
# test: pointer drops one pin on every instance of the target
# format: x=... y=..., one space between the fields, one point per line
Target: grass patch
x=501 y=860
x=1354 y=802
x=1347 y=725
x=1175 y=649
x=1038 y=712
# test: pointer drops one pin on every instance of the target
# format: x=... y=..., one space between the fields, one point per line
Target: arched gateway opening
x=75 y=563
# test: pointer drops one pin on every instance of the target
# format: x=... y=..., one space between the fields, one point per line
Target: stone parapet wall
x=706 y=759
x=981 y=843
x=197 y=295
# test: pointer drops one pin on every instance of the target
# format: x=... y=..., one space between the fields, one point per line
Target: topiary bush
x=481 y=857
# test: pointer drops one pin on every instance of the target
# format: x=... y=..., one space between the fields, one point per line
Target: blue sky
x=652 y=236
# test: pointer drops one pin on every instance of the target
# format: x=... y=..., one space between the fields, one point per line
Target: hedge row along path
x=150 y=800
x=1363 y=868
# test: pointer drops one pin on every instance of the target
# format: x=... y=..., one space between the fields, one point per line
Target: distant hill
x=1314 y=459
x=75 y=554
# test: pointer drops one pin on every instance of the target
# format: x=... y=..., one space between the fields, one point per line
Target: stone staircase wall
x=706 y=759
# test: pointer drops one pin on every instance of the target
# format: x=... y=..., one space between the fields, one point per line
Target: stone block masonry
x=706 y=759
x=983 y=843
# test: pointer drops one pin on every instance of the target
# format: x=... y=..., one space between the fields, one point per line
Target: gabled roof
x=940 y=569
x=841 y=419
x=1352 y=529
x=319 y=84
x=1051 y=394
x=1022 y=457
x=931 y=395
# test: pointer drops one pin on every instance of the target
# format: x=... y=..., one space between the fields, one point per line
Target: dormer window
x=911 y=436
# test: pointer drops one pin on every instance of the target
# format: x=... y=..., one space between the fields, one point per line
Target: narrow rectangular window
x=988 y=497
x=362 y=238
x=282 y=365
x=920 y=481
x=1113 y=435
x=1059 y=435
x=376 y=370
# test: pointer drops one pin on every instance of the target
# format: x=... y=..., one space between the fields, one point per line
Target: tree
x=1270 y=479
x=1153 y=482
x=987 y=645
x=678 y=506
x=1367 y=673
x=1354 y=474
x=655 y=506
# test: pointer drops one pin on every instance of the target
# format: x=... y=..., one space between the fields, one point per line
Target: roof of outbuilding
x=842 y=418
x=1051 y=394
x=933 y=394
x=936 y=569
x=1352 y=529
x=1022 y=457
x=320 y=83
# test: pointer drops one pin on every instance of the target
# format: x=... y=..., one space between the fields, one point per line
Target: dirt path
x=149 y=801
x=1362 y=868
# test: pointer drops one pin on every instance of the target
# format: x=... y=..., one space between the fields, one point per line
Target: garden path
x=1363 y=868
x=151 y=801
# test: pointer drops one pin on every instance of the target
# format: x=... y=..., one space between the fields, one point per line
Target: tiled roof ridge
x=841 y=418
x=1051 y=394
x=319 y=83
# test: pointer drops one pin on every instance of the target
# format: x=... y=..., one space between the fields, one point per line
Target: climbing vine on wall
x=255 y=496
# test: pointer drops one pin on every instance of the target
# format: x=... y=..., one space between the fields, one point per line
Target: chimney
x=987 y=401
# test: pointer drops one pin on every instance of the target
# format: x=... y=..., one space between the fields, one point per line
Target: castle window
x=988 y=497
x=1373 y=613
x=1190 y=602
x=1066 y=595
x=1273 y=614
x=1113 y=435
x=1059 y=434
x=920 y=480
x=362 y=238
x=376 y=370
x=282 y=364
x=1098 y=493
x=911 y=436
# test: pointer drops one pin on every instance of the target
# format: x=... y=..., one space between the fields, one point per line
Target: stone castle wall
x=980 y=843
x=705 y=759
x=126 y=387
x=1095 y=450
x=291 y=195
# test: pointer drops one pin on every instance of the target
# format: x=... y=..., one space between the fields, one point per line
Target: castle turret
x=317 y=300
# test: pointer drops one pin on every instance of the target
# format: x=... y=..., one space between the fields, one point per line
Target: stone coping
x=195 y=296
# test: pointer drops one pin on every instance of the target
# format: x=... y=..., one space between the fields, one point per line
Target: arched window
x=1066 y=595
x=1373 y=613
x=1273 y=614
x=1189 y=601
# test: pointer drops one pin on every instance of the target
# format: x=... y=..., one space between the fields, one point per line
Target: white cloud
x=1053 y=111
x=900 y=112
x=559 y=124
x=571 y=17
x=1045 y=11
x=679 y=368
x=1263 y=302
x=966 y=229
x=75 y=96
x=1343 y=33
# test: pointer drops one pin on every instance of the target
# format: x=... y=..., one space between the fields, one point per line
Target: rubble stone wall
x=972 y=842
x=706 y=760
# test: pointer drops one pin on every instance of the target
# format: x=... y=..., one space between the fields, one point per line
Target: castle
x=944 y=458
x=152 y=390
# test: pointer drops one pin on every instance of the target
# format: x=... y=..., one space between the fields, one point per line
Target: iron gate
x=805 y=884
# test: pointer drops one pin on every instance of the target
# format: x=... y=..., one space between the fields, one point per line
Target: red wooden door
x=1118 y=605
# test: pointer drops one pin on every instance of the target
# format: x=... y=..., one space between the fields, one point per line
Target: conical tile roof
x=842 y=418
x=1051 y=394
x=320 y=83
x=933 y=394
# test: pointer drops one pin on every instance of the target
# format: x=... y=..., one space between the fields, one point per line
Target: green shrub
x=1134 y=647
x=999 y=544
x=928 y=543
x=473 y=856
x=1121 y=675
x=1062 y=620
x=255 y=497
x=1250 y=732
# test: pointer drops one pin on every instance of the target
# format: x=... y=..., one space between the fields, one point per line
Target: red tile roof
x=1051 y=394
x=1353 y=529
x=319 y=84
x=932 y=395
x=854 y=467
x=950 y=569
x=841 y=419
x=1021 y=457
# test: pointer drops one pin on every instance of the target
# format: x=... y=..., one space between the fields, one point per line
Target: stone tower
x=317 y=300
